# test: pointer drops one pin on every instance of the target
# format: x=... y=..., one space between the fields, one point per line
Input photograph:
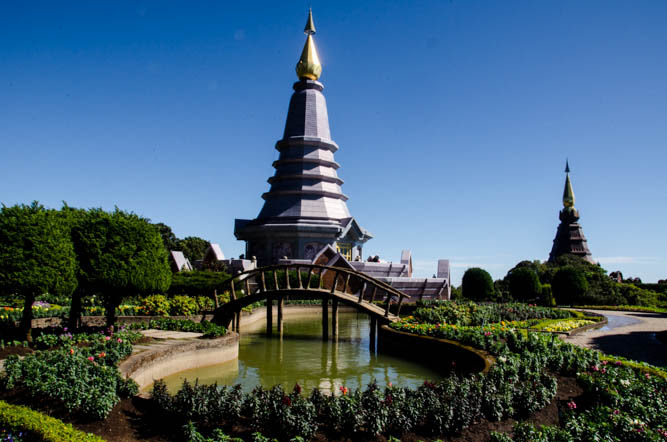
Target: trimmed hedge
x=41 y=426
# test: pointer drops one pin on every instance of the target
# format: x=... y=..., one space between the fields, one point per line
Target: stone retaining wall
x=146 y=366
x=441 y=354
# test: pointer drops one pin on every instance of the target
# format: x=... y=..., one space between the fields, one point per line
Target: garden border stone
x=434 y=351
x=177 y=355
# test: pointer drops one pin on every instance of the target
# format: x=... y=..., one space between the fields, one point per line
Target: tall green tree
x=36 y=256
x=524 y=284
x=71 y=217
x=193 y=247
x=477 y=285
x=569 y=285
x=120 y=254
x=169 y=239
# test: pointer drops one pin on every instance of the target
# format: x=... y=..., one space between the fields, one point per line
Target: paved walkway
x=628 y=334
x=163 y=338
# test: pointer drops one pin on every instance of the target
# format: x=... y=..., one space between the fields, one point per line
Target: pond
x=300 y=356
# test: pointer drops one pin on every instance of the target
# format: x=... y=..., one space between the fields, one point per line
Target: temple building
x=305 y=218
x=305 y=208
x=570 y=237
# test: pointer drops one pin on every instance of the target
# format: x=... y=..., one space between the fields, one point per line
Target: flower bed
x=564 y=325
x=631 y=308
x=84 y=379
x=471 y=314
x=622 y=400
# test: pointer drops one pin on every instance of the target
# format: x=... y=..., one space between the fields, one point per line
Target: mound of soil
x=21 y=351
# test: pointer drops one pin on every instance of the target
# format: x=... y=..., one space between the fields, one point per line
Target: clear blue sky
x=454 y=118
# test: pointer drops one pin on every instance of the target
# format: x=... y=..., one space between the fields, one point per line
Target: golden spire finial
x=568 y=193
x=309 y=66
x=310 y=25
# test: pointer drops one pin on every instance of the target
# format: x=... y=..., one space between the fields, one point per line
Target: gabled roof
x=443 y=268
x=181 y=263
x=329 y=256
x=352 y=228
x=214 y=253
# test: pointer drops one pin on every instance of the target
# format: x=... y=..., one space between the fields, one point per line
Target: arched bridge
x=276 y=282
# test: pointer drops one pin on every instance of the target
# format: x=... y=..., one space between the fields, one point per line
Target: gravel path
x=628 y=334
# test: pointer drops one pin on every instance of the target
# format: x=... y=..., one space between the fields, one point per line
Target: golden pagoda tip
x=309 y=67
x=310 y=25
x=568 y=193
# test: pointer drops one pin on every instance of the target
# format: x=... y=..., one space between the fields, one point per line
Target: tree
x=36 y=256
x=524 y=284
x=477 y=285
x=169 y=239
x=568 y=285
x=193 y=247
x=120 y=254
x=71 y=217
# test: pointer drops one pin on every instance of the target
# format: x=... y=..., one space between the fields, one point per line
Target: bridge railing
x=314 y=278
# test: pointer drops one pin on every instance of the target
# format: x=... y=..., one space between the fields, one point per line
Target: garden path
x=627 y=334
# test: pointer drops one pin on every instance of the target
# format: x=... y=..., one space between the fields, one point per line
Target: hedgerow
x=209 y=329
x=40 y=427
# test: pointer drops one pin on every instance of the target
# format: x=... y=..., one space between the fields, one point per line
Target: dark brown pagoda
x=570 y=237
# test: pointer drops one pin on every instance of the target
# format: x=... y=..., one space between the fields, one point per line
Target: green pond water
x=301 y=356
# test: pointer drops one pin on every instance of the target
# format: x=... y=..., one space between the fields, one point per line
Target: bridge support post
x=325 y=318
x=281 y=302
x=334 y=319
x=269 y=316
x=238 y=321
x=374 y=324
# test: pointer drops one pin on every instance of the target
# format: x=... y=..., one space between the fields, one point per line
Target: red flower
x=286 y=400
x=571 y=405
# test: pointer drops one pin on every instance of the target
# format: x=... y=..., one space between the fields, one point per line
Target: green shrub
x=42 y=427
x=84 y=380
x=477 y=285
x=209 y=329
x=183 y=306
x=569 y=284
x=155 y=305
x=205 y=304
x=480 y=314
x=524 y=285
x=546 y=296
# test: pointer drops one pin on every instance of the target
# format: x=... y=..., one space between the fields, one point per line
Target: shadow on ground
x=638 y=345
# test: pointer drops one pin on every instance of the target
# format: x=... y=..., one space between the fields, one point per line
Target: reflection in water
x=301 y=356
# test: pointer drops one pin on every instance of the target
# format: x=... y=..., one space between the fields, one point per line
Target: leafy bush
x=204 y=303
x=155 y=305
x=569 y=285
x=198 y=283
x=40 y=426
x=477 y=285
x=209 y=329
x=481 y=314
x=524 y=284
x=84 y=379
x=183 y=306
